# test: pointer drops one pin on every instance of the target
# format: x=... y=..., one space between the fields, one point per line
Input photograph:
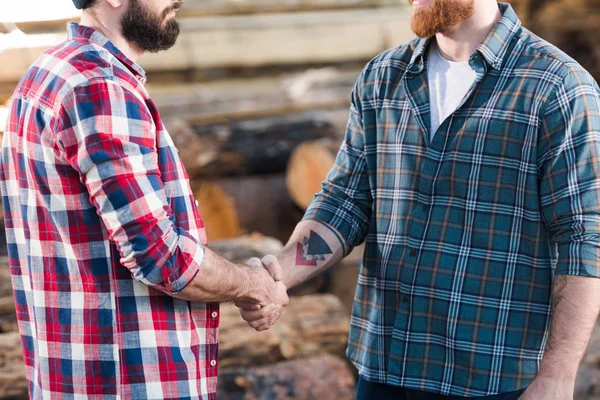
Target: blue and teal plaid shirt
x=465 y=233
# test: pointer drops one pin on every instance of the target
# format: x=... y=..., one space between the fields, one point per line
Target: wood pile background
x=255 y=95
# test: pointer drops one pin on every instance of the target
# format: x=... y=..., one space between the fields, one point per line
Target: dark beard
x=146 y=30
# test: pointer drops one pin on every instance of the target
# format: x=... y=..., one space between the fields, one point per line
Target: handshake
x=263 y=303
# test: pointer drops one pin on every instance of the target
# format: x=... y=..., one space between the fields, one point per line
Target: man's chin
x=422 y=29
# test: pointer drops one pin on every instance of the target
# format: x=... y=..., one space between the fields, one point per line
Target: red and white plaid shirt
x=101 y=223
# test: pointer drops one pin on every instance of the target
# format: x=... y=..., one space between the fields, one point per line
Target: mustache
x=174 y=7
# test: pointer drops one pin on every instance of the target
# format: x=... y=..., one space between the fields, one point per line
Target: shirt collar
x=493 y=48
x=497 y=43
x=76 y=31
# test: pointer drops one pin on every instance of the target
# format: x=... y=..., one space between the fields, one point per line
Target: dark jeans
x=376 y=391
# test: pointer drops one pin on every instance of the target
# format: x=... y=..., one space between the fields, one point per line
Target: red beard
x=439 y=16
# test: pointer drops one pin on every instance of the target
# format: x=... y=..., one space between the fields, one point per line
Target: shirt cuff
x=338 y=217
x=182 y=276
x=579 y=258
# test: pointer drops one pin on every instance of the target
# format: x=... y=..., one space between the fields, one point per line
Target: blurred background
x=255 y=95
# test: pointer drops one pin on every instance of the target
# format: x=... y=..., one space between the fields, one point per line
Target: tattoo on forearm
x=312 y=249
x=338 y=237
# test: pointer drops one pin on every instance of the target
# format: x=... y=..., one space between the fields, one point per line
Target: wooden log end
x=218 y=211
x=308 y=167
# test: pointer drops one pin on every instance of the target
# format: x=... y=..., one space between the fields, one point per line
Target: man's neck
x=112 y=30
x=459 y=43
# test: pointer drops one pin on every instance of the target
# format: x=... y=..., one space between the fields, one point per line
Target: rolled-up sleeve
x=345 y=200
x=108 y=136
x=569 y=170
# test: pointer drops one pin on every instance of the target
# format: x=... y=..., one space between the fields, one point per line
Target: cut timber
x=6 y=92
x=47 y=26
x=311 y=325
x=258 y=203
x=252 y=41
x=202 y=8
x=235 y=99
x=249 y=147
x=218 y=212
x=308 y=167
x=289 y=38
x=5 y=279
x=7 y=306
x=13 y=384
x=222 y=7
x=244 y=248
x=324 y=377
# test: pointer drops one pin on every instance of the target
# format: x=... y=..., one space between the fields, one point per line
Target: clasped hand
x=262 y=315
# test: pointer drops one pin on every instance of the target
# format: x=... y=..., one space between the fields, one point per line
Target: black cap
x=79 y=4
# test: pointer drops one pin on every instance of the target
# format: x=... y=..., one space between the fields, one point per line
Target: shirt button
x=405 y=299
x=213 y=363
x=424 y=207
x=413 y=253
x=197 y=204
x=214 y=314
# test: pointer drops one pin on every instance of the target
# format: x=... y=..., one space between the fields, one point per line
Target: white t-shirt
x=449 y=83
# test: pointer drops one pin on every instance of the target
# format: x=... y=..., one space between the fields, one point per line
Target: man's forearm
x=575 y=309
x=312 y=248
x=220 y=280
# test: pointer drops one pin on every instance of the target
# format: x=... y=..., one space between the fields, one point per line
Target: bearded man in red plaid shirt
x=115 y=292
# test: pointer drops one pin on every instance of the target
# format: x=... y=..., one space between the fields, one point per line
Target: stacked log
x=311 y=325
x=203 y=8
x=254 y=40
x=13 y=384
x=231 y=206
x=308 y=167
x=251 y=147
x=321 y=377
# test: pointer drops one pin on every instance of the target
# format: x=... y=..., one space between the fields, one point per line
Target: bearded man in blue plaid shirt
x=471 y=169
